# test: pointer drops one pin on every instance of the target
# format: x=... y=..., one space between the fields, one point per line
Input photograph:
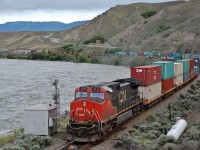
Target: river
x=24 y=83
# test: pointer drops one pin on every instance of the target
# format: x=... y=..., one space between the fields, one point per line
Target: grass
x=10 y=138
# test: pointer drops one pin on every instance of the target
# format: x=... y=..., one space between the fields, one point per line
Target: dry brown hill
x=112 y=21
x=173 y=28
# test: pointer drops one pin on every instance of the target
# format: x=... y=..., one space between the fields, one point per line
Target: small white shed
x=40 y=119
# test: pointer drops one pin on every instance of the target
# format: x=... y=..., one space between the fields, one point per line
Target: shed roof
x=41 y=107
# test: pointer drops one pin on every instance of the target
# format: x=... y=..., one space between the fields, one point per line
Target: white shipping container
x=178 y=69
x=178 y=80
x=150 y=92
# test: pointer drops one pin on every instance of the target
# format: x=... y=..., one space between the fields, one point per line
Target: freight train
x=97 y=109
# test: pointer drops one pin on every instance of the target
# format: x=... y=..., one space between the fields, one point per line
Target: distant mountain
x=38 y=26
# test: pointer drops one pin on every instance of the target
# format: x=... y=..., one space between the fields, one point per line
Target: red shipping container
x=167 y=84
x=191 y=67
x=165 y=54
x=148 y=74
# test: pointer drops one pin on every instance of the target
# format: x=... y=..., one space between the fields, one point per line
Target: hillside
x=175 y=27
x=111 y=22
x=38 y=26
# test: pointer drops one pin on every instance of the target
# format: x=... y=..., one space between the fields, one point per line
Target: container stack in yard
x=178 y=73
x=186 y=69
x=167 y=74
x=151 y=77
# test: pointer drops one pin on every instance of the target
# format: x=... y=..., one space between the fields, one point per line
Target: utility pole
x=56 y=96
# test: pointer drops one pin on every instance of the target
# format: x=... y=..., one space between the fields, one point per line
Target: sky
x=58 y=10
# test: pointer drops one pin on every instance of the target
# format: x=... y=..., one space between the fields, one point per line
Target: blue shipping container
x=176 y=56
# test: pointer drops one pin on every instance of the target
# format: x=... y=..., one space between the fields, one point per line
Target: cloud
x=65 y=16
x=58 y=10
x=65 y=4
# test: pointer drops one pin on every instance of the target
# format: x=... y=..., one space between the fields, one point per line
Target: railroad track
x=66 y=146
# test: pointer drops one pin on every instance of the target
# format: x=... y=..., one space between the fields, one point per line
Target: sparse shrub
x=191 y=91
x=35 y=147
x=188 y=145
x=169 y=146
x=143 y=128
x=162 y=28
x=193 y=133
x=117 y=61
x=193 y=87
x=165 y=139
x=99 y=36
x=148 y=14
x=150 y=135
x=154 y=125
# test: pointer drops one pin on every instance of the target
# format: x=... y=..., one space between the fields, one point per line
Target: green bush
x=117 y=61
x=193 y=133
x=161 y=28
x=99 y=36
x=169 y=146
x=165 y=139
x=148 y=14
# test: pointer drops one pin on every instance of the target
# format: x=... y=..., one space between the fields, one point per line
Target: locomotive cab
x=90 y=107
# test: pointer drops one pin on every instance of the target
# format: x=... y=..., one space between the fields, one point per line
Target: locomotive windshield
x=81 y=95
x=98 y=97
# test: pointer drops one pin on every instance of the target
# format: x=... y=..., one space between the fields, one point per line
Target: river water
x=24 y=83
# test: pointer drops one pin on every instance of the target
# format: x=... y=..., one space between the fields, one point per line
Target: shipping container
x=191 y=67
x=167 y=84
x=155 y=54
x=178 y=80
x=148 y=74
x=186 y=65
x=165 y=54
x=178 y=69
x=176 y=56
x=141 y=54
x=167 y=68
x=170 y=56
x=196 y=69
x=180 y=56
x=196 y=59
x=151 y=91
x=186 y=76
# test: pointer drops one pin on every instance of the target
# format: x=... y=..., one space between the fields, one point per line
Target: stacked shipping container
x=151 y=77
x=186 y=69
x=178 y=73
x=191 y=67
x=167 y=74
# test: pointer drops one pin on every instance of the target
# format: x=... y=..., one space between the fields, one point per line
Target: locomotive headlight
x=84 y=104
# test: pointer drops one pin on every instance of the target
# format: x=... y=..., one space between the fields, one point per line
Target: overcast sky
x=57 y=10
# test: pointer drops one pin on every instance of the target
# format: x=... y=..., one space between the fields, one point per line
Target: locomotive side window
x=108 y=95
x=98 y=97
x=81 y=95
